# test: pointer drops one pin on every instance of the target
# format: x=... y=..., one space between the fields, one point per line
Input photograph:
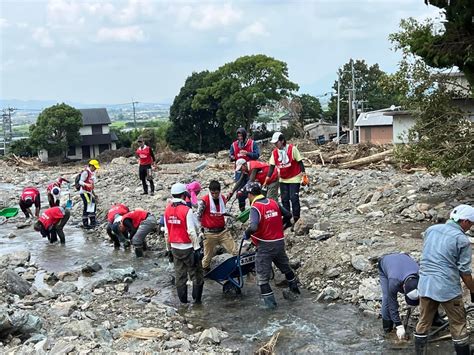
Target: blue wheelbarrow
x=230 y=273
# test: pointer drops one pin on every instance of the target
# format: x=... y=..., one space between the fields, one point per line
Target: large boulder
x=13 y=283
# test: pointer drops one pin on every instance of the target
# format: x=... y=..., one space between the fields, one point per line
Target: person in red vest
x=184 y=244
x=138 y=224
x=243 y=148
x=51 y=223
x=30 y=196
x=113 y=222
x=146 y=159
x=210 y=214
x=54 y=191
x=256 y=170
x=267 y=220
x=89 y=198
x=287 y=159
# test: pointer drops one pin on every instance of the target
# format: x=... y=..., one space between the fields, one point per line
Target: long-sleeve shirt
x=394 y=270
x=446 y=255
x=192 y=228
x=83 y=179
x=255 y=217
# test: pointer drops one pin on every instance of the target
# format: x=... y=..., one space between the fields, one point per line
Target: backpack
x=78 y=178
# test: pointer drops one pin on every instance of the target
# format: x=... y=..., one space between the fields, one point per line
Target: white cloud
x=211 y=16
x=4 y=23
x=120 y=34
x=42 y=36
x=63 y=12
x=249 y=33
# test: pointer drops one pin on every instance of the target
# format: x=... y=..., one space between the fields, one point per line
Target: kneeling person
x=30 y=196
x=51 y=223
x=138 y=223
x=266 y=230
x=211 y=215
x=113 y=232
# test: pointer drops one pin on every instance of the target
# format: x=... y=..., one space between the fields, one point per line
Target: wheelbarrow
x=230 y=273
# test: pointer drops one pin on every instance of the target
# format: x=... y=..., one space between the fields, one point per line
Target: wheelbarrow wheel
x=230 y=289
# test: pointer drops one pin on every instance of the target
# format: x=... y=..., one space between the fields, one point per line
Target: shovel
x=69 y=201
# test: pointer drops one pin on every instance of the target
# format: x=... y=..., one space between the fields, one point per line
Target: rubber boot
x=183 y=293
x=62 y=237
x=387 y=326
x=438 y=321
x=269 y=301
x=117 y=245
x=93 y=223
x=197 y=293
x=421 y=340
x=138 y=252
x=144 y=246
x=462 y=349
x=293 y=285
x=85 y=222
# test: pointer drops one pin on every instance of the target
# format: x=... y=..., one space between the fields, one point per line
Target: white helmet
x=178 y=189
x=56 y=191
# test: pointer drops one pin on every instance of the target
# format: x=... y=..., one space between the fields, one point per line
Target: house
x=375 y=126
x=317 y=129
x=272 y=123
x=95 y=136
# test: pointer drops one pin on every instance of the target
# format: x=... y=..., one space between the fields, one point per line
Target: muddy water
x=304 y=326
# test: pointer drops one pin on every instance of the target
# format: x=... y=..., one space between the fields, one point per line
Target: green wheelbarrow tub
x=9 y=212
x=244 y=216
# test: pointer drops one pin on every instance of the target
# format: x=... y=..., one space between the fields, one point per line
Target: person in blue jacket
x=398 y=273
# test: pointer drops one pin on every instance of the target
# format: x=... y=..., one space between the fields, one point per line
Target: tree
x=238 y=90
x=56 y=128
x=369 y=92
x=311 y=110
x=453 y=46
x=195 y=129
x=443 y=137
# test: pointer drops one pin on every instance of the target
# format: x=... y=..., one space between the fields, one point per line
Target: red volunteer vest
x=137 y=216
x=119 y=208
x=144 y=155
x=29 y=192
x=175 y=217
x=51 y=216
x=270 y=227
x=237 y=150
x=263 y=171
x=89 y=180
x=289 y=170
x=210 y=220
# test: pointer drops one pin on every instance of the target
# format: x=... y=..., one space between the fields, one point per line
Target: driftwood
x=367 y=160
x=144 y=333
x=268 y=348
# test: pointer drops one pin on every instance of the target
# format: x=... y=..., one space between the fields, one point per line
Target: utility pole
x=7 y=127
x=338 y=104
x=351 y=121
x=134 y=117
x=352 y=108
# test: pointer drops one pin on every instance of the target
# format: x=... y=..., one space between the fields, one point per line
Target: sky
x=104 y=51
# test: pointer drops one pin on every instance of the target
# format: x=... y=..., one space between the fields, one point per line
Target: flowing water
x=304 y=325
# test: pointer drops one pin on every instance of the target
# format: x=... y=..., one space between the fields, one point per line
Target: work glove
x=304 y=180
x=169 y=254
x=286 y=223
x=400 y=332
x=240 y=194
x=197 y=256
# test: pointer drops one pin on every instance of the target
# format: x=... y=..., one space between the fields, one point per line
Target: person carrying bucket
x=29 y=196
x=89 y=198
x=54 y=192
x=267 y=219
x=51 y=223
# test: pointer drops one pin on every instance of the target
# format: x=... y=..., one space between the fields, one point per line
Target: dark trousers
x=243 y=196
x=88 y=216
x=291 y=193
x=184 y=265
x=144 y=171
x=51 y=201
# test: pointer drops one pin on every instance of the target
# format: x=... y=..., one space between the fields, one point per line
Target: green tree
x=311 y=110
x=56 y=128
x=368 y=89
x=195 y=129
x=452 y=46
x=22 y=148
x=443 y=137
x=238 y=90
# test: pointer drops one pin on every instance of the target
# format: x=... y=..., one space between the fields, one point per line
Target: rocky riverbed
x=79 y=303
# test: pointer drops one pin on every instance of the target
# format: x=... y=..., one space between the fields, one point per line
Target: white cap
x=462 y=212
x=275 y=137
x=178 y=189
x=239 y=163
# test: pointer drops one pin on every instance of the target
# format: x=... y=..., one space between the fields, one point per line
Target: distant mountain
x=42 y=104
